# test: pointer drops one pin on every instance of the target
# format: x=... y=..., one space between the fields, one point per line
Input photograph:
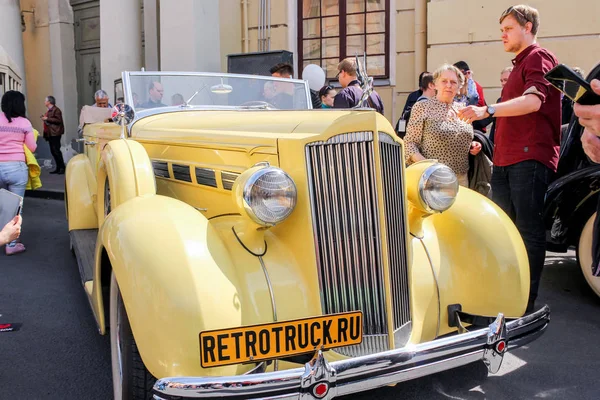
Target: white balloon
x=315 y=76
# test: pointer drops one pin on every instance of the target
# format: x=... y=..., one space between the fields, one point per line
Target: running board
x=84 y=247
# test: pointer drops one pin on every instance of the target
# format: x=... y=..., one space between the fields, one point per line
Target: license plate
x=279 y=339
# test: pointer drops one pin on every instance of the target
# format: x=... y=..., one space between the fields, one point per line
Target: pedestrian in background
x=504 y=75
x=283 y=97
x=435 y=131
x=473 y=94
x=427 y=91
x=54 y=128
x=413 y=96
x=351 y=94
x=474 y=91
x=526 y=144
x=15 y=131
x=327 y=95
x=101 y=99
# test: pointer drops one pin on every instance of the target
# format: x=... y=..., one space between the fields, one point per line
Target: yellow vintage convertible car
x=238 y=244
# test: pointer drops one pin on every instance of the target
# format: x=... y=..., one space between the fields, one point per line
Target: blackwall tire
x=584 y=254
x=131 y=379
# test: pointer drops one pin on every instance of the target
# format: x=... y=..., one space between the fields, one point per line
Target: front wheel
x=584 y=254
x=131 y=379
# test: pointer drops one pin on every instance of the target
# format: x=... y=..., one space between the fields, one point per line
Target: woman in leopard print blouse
x=435 y=131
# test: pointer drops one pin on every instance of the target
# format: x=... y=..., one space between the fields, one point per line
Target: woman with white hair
x=435 y=131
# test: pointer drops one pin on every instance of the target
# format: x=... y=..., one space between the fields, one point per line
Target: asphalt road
x=58 y=353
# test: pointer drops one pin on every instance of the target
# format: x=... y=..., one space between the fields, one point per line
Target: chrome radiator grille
x=391 y=173
x=347 y=232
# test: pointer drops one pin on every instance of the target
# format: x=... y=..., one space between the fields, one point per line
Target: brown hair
x=348 y=65
x=523 y=14
x=283 y=69
x=426 y=80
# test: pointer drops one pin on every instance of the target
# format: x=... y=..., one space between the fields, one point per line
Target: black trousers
x=519 y=190
x=54 y=142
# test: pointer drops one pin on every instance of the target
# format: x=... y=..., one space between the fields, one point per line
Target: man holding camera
x=526 y=144
x=589 y=118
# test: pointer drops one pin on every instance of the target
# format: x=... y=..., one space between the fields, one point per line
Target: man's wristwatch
x=491 y=110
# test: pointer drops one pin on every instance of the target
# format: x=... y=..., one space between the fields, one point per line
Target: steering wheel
x=258 y=103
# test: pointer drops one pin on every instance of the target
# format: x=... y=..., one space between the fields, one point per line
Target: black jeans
x=54 y=142
x=519 y=189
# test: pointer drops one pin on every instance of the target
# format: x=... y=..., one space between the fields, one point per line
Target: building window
x=331 y=30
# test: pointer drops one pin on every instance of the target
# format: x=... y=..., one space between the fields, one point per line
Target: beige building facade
x=71 y=48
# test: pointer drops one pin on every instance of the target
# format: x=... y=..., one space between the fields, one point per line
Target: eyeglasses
x=511 y=9
x=338 y=74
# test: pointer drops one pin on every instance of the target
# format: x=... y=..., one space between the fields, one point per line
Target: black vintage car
x=572 y=198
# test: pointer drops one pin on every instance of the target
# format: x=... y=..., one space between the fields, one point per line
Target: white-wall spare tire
x=131 y=379
x=584 y=254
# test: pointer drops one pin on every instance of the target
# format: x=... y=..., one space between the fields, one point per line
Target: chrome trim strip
x=364 y=373
x=212 y=75
x=270 y=286
x=139 y=114
x=228 y=179
x=161 y=169
x=205 y=176
x=437 y=287
x=271 y=294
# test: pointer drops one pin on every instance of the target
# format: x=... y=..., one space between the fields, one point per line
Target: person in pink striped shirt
x=15 y=131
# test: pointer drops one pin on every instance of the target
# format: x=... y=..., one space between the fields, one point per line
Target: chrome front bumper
x=319 y=379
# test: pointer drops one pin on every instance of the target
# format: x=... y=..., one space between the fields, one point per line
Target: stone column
x=151 y=15
x=193 y=26
x=10 y=35
x=62 y=57
x=120 y=41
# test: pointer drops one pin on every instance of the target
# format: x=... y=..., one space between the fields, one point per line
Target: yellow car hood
x=195 y=125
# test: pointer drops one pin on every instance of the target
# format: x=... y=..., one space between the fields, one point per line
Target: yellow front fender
x=80 y=194
x=478 y=257
x=179 y=277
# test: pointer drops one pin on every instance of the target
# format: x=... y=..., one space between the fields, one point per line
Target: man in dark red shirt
x=527 y=135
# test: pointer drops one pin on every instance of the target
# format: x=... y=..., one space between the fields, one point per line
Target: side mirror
x=123 y=115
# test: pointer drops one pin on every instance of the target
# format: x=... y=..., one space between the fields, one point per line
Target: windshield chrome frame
x=144 y=113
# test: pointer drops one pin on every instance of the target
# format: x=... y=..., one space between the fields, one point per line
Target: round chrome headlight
x=269 y=196
x=438 y=187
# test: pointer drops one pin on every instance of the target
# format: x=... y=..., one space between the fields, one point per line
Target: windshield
x=153 y=90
